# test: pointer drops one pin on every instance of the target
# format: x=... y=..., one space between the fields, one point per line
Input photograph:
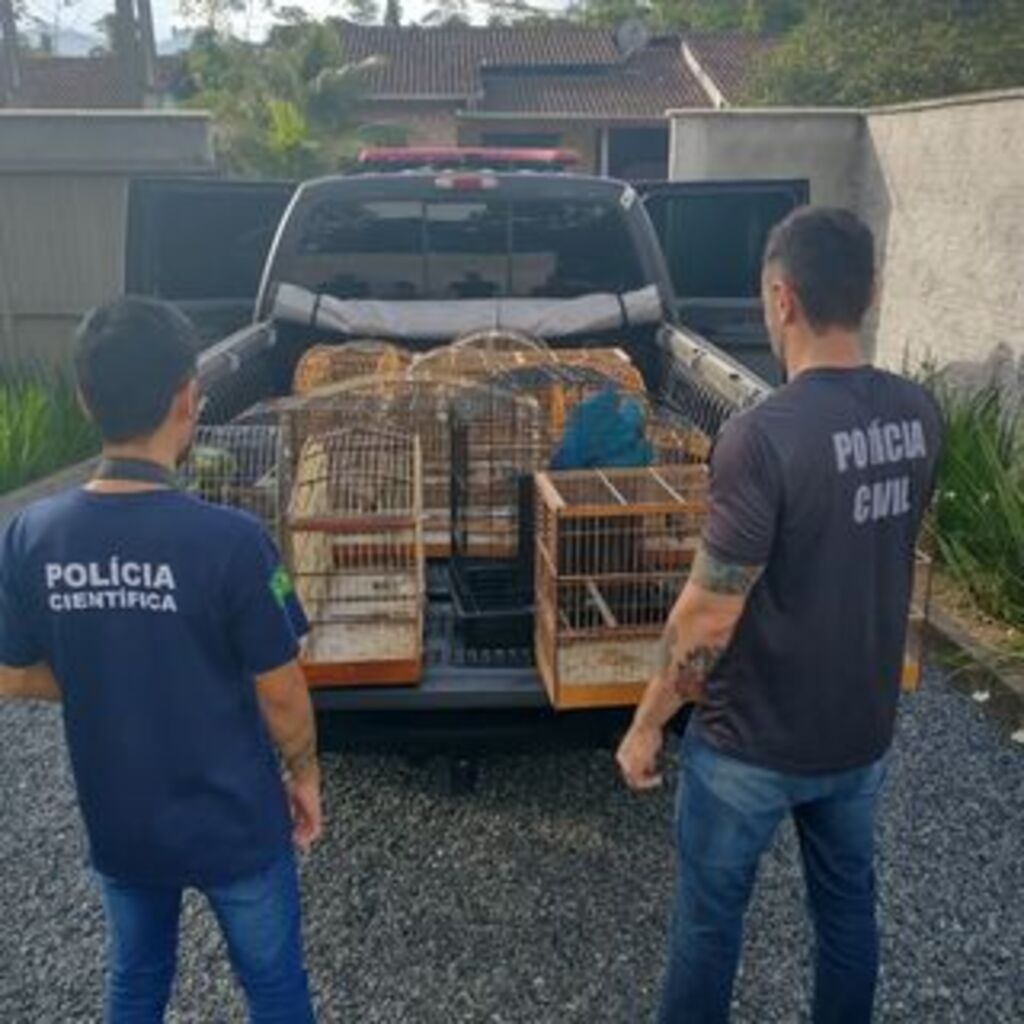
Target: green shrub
x=42 y=428
x=978 y=518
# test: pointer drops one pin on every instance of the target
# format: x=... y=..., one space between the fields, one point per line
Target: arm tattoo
x=718 y=577
x=687 y=674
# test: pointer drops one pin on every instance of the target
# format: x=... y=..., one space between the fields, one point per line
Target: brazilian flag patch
x=281 y=585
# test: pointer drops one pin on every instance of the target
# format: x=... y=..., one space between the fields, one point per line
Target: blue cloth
x=261 y=921
x=606 y=430
x=155 y=612
x=728 y=811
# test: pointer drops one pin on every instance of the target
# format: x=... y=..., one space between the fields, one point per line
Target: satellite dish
x=632 y=36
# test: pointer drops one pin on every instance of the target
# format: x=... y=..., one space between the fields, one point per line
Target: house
x=87 y=83
x=603 y=93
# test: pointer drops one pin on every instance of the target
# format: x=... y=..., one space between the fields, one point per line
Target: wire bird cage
x=613 y=549
x=612 y=363
x=675 y=443
x=498 y=442
x=329 y=364
x=558 y=389
x=237 y=466
x=415 y=408
x=355 y=545
x=920 y=608
x=480 y=355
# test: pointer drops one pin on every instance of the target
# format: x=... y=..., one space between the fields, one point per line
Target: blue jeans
x=261 y=920
x=728 y=812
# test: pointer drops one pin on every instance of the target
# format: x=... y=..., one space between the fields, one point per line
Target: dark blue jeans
x=261 y=920
x=728 y=812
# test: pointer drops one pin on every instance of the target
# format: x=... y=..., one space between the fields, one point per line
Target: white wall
x=731 y=145
x=64 y=181
x=943 y=186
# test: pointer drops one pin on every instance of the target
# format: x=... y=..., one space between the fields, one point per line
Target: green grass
x=42 y=428
x=978 y=520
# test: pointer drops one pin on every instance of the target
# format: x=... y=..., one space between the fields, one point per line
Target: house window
x=522 y=140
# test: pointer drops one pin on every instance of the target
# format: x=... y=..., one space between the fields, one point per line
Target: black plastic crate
x=493 y=604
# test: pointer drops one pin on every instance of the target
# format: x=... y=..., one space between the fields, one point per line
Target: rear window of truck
x=464 y=248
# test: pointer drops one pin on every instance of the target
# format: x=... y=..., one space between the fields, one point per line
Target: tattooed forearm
x=686 y=671
x=719 y=577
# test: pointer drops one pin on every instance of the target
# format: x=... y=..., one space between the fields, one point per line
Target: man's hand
x=307 y=811
x=638 y=757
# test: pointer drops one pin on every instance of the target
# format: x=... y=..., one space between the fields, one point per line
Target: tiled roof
x=645 y=86
x=91 y=83
x=447 y=61
x=728 y=58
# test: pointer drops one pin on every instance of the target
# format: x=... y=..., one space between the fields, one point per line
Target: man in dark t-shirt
x=790 y=632
x=168 y=630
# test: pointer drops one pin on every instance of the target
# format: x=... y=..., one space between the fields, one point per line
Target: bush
x=42 y=427
x=979 y=509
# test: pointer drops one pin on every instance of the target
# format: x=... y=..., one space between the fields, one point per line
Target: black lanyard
x=140 y=471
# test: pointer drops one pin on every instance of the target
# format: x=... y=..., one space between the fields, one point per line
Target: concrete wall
x=64 y=181
x=943 y=186
x=731 y=145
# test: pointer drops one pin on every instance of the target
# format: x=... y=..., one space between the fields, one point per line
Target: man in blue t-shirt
x=169 y=631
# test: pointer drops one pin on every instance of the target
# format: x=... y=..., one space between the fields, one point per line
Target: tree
x=890 y=51
x=448 y=14
x=213 y=15
x=698 y=15
x=363 y=12
x=285 y=108
x=393 y=13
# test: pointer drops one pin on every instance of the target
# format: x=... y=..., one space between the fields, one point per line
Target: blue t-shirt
x=155 y=612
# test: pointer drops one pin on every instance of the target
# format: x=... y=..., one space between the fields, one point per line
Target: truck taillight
x=466 y=182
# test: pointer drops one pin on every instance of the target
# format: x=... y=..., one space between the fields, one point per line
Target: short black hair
x=131 y=357
x=828 y=255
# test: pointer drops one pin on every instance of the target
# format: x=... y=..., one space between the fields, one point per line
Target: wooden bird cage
x=416 y=408
x=613 y=550
x=330 y=364
x=481 y=355
x=612 y=363
x=676 y=443
x=920 y=606
x=355 y=547
x=237 y=465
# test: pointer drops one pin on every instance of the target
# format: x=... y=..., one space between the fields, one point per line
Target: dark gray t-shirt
x=824 y=483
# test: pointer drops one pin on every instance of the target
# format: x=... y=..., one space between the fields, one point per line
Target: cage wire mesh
x=673 y=441
x=322 y=365
x=498 y=437
x=558 y=389
x=614 y=548
x=355 y=546
x=415 y=408
x=612 y=363
x=237 y=465
x=480 y=355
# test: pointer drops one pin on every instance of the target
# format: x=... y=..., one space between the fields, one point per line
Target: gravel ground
x=543 y=897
